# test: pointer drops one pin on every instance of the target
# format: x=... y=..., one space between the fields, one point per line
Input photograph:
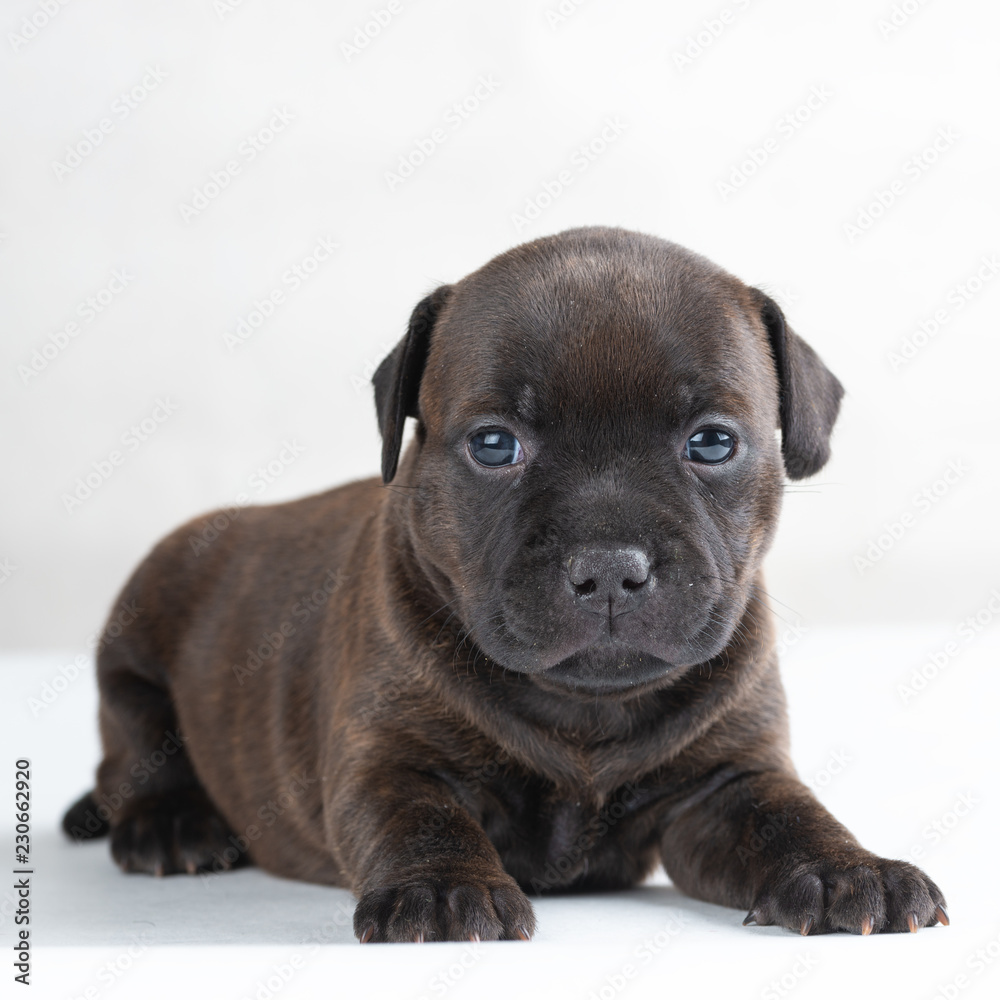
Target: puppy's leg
x=764 y=843
x=161 y=819
x=421 y=866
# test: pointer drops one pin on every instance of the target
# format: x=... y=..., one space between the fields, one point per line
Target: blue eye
x=711 y=446
x=495 y=448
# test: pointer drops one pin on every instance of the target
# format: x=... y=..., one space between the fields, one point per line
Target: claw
x=750 y=918
x=158 y=871
x=867 y=926
x=942 y=915
x=366 y=935
x=192 y=868
x=912 y=922
x=419 y=939
x=522 y=934
x=806 y=927
x=474 y=937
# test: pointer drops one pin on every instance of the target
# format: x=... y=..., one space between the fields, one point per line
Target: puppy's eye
x=711 y=446
x=495 y=448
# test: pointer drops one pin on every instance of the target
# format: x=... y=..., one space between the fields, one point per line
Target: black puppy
x=540 y=659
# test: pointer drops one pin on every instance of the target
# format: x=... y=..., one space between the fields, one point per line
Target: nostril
x=609 y=573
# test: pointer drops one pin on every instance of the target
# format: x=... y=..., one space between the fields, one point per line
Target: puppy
x=534 y=656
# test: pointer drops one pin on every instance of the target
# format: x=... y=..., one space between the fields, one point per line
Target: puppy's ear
x=809 y=394
x=397 y=378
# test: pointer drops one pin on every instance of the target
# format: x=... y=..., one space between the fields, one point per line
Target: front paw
x=863 y=895
x=446 y=906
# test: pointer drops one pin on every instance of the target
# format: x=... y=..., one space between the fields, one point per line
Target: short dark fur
x=395 y=687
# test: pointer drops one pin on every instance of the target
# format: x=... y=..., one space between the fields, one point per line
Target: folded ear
x=397 y=378
x=809 y=394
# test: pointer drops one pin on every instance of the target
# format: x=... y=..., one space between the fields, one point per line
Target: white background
x=881 y=96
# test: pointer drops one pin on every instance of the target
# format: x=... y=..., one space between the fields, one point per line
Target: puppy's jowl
x=543 y=662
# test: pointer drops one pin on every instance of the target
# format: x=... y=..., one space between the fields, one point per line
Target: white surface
x=302 y=378
x=902 y=768
x=302 y=375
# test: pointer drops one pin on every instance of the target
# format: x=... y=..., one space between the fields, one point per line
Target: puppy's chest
x=573 y=827
x=554 y=837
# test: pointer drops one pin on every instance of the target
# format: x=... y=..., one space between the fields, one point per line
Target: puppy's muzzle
x=609 y=580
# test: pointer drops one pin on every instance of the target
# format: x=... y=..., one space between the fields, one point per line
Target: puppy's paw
x=173 y=833
x=452 y=906
x=864 y=896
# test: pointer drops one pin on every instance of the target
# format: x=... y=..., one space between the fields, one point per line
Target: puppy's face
x=596 y=470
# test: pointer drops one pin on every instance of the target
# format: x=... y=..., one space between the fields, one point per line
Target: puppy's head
x=596 y=474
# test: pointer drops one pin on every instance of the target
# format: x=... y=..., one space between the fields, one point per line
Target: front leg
x=421 y=866
x=764 y=843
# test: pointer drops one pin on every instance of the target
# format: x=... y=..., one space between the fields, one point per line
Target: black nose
x=616 y=578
